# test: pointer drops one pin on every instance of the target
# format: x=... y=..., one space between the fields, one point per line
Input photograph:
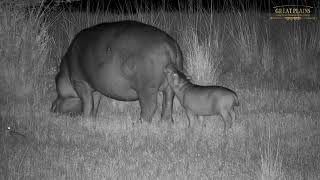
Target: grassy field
x=273 y=65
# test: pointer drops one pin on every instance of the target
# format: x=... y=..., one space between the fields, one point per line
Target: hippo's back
x=118 y=58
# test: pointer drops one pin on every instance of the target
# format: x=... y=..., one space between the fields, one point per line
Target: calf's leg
x=233 y=115
x=167 y=104
x=192 y=118
x=226 y=116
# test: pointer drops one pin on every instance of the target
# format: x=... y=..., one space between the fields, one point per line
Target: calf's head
x=176 y=79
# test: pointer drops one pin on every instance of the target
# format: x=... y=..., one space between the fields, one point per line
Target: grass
x=244 y=31
x=275 y=136
x=271 y=164
x=204 y=48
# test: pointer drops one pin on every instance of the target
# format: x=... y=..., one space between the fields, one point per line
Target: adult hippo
x=122 y=60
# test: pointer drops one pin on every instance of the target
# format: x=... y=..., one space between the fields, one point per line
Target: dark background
x=125 y=6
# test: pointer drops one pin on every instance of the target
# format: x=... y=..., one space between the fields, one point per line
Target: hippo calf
x=122 y=60
x=202 y=100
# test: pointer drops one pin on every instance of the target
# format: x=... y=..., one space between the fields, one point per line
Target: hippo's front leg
x=85 y=93
x=148 y=104
x=167 y=104
x=71 y=106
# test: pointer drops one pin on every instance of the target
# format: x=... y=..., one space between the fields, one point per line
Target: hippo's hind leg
x=167 y=104
x=96 y=103
x=148 y=104
x=84 y=91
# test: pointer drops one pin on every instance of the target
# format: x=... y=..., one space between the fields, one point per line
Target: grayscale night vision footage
x=168 y=89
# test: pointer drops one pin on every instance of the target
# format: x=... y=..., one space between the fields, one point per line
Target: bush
x=204 y=48
x=24 y=48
